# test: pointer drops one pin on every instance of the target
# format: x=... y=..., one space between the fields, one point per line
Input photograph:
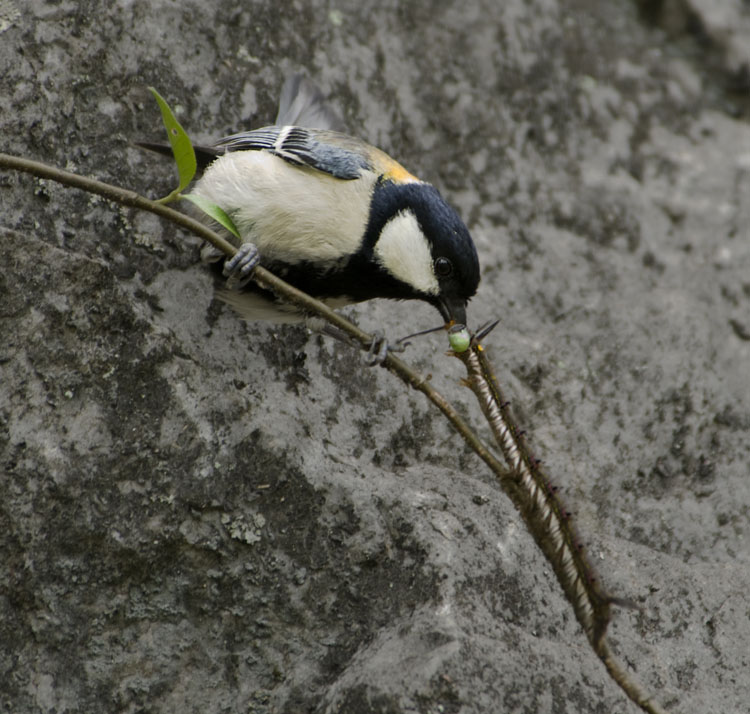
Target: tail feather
x=302 y=104
x=204 y=155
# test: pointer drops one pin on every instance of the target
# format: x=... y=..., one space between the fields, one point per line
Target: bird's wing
x=339 y=155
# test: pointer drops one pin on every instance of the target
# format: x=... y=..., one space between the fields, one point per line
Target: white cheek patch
x=404 y=252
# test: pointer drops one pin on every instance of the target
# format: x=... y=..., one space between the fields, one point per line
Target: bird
x=332 y=215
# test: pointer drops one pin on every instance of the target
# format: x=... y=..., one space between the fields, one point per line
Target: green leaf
x=211 y=209
x=182 y=148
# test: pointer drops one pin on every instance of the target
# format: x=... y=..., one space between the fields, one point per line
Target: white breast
x=291 y=213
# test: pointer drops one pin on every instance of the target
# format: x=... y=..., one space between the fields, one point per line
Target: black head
x=417 y=238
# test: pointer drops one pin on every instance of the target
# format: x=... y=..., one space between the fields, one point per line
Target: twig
x=266 y=279
x=525 y=483
x=537 y=500
x=549 y=522
x=634 y=691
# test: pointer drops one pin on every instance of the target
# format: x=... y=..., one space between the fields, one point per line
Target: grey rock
x=202 y=515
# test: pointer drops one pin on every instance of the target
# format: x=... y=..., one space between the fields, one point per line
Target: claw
x=380 y=348
x=239 y=268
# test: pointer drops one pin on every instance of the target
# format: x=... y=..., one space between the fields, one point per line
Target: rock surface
x=201 y=515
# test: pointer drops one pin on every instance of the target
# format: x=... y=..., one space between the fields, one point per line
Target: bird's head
x=421 y=242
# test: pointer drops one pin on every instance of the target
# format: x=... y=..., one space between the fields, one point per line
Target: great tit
x=333 y=216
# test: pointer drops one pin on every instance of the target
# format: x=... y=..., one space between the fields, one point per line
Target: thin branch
x=634 y=691
x=266 y=279
x=525 y=483
x=549 y=522
x=537 y=500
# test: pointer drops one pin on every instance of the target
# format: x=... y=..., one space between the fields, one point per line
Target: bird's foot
x=380 y=348
x=238 y=269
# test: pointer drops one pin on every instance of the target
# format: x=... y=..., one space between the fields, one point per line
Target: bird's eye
x=443 y=267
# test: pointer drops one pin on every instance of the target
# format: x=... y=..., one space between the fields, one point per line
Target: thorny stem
x=536 y=498
x=548 y=521
x=525 y=483
x=628 y=685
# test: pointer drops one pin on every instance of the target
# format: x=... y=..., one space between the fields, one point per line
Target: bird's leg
x=380 y=348
x=238 y=269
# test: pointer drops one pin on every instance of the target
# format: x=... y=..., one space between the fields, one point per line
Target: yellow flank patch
x=390 y=169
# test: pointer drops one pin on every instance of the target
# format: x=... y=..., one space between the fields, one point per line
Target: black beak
x=453 y=309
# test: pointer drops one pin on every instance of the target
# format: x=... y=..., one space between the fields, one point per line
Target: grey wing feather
x=302 y=104
x=339 y=155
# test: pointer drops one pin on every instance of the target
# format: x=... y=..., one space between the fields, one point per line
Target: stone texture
x=201 y=515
